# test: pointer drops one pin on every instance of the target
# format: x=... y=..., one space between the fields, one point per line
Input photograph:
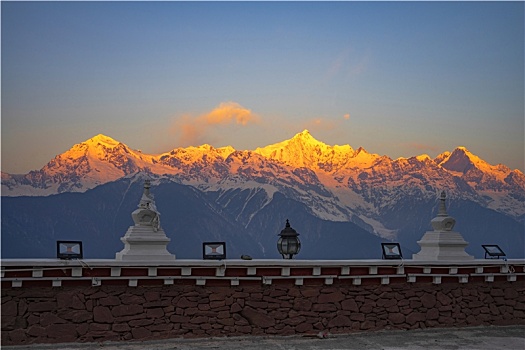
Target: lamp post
x=288 y=244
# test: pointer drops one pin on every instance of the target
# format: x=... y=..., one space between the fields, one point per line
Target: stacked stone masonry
x=80 y=314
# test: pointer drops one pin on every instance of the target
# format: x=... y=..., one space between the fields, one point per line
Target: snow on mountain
x=102 y=159
x=303 y=150
x=336 y=183
x=502 y=189
x=252 y=170
x=462 y=162
x=86 y=165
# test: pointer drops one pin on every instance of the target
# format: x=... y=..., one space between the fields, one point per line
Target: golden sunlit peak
x=204 y=146
x=304 y=135
x=103 y=139
x=306 y=138
x=465 y=151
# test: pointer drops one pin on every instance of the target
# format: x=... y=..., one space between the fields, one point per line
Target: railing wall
x=53 y=301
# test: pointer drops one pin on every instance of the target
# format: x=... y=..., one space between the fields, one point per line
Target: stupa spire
x=147 y=213
x=443 y=221
x=145 y=240
x=442 y=243
x=442 y=207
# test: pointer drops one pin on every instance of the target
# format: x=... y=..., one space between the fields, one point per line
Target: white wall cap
x=258 y=263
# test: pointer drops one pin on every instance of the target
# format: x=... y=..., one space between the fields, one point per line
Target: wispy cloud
x=348 y=65
x=338 y=64
x=230 y=117
x=228 y=112
x=195 y=130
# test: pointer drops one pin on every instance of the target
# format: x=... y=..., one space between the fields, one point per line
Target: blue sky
x=397 y=78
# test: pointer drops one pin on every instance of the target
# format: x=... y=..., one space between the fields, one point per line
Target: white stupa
x=146 y=240
x=442 y=243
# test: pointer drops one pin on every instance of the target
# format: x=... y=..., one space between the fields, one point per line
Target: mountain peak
x=314 y=167
x=423 y=157
x=461 y=160
x=307 y=141
x=305 y=137
x=303 y=150
x=103 y=140
x=462 y=150
x=305 y=134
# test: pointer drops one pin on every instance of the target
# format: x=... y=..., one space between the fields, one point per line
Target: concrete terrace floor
x=472 y=338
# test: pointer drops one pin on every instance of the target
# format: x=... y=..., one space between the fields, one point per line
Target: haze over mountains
x=343 y=201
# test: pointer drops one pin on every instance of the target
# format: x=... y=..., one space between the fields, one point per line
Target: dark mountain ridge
x=333 y=195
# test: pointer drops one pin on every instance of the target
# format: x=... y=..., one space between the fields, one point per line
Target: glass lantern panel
x=280 y=246
x=292 y=247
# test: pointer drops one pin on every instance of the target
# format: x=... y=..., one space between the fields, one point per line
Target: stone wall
x=87 y=314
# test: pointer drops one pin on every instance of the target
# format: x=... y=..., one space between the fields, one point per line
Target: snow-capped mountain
x=339 y=179
x=333 y=183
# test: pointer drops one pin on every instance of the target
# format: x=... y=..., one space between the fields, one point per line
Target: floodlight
x=493 y=251
x=391 y=251
x=214 y=250
x=69 y=250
